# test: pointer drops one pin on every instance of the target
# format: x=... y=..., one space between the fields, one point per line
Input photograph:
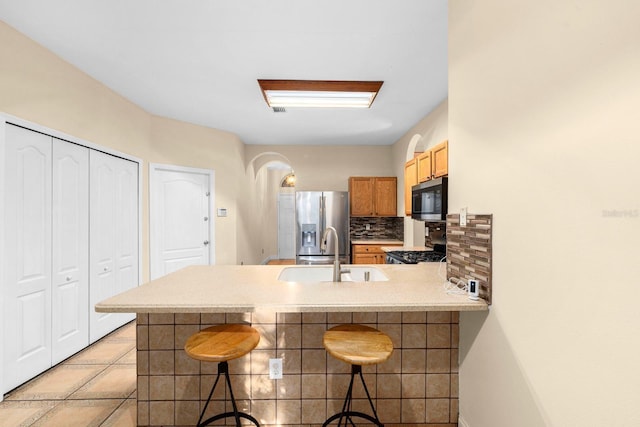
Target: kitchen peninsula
x=417 y=386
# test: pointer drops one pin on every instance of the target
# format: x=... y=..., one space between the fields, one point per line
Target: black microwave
x=429 y=200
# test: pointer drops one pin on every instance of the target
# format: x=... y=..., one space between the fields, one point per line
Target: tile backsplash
x=469 y=251
x=379 y=228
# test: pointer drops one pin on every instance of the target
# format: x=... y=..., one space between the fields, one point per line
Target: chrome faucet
x=337 y=272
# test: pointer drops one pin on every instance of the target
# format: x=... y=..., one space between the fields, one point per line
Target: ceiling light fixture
x=319 y=93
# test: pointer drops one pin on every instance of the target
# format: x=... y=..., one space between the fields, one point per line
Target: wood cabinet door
x=386 y=200
x=361 y=196
x=424 y=166
x=440 y=156
x=410 y=179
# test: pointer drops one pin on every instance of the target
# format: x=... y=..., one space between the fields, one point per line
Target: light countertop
x=377 y=242
x=406 y=248
x=249 y=288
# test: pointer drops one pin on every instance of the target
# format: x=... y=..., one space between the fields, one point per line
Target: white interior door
x=180 y=218
x=27 y=275
x=70 y=290
x=113 y=225
x=286 y=226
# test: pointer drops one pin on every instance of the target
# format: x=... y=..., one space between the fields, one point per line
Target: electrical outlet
x=275 y=369
x=367 y=227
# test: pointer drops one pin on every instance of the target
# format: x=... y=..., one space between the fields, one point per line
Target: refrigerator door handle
x=323 y=202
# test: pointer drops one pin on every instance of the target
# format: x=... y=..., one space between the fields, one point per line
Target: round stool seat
x=221 y=343
x=358 y=344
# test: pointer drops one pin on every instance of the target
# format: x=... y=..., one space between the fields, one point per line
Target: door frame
x=154 y=168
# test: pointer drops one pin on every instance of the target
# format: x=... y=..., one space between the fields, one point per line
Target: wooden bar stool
x=220 y=344
x=357 y=345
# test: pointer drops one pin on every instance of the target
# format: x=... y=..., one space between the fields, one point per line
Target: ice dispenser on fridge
x=309 y=234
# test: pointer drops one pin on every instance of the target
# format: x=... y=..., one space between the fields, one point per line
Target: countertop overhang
x=250 y=288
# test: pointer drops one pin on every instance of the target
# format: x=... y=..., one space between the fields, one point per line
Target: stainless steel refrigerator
x=315 y=211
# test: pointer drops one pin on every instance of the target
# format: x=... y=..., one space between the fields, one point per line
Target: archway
x=416 y=145
x=273 y=207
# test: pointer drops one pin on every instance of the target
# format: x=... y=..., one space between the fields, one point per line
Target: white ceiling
x=198 y=60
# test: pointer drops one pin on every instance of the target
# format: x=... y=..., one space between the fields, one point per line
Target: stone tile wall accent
x=418 y=386
x=381 y=228
x=469 y=251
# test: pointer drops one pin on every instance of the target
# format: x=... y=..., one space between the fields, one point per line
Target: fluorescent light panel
x=319 y=93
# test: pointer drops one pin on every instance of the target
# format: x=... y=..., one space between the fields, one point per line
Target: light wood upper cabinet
x=386 y=199
x=373 y=196
x=424 y=166
x=433 y=163
x=430 y=164
x=361 y=196
x=440 y=160
x=410 y=179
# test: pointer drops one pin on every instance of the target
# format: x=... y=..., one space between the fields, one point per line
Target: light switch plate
x=463 y=217
x=222 y=212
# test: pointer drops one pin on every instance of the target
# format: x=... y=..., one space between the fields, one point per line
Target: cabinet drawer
x=367 y=249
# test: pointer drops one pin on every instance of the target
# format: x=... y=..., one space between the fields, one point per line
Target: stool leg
x=346 y=406
x=233 y=399
x=211 y=393
x=223 y=369
x=375 y=414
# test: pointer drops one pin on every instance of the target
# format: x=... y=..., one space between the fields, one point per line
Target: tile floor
x=95 y=387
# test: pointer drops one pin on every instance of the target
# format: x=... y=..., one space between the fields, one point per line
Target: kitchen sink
x=324 y=273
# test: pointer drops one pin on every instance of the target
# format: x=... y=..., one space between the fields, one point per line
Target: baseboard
x=462 y=422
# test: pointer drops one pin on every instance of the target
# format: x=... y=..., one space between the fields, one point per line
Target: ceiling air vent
x=279 y=109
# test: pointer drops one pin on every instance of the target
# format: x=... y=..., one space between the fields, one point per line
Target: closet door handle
x=206 y=242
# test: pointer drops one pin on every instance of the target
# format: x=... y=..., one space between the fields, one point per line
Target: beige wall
x=543 y=126
x=329 y=167
x=38 y=86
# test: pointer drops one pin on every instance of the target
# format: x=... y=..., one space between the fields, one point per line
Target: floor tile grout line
x=113 y=412
x=57 y=402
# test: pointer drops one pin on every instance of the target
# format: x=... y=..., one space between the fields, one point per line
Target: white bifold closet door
x=56 y=195
x=70 y=286
x=113 y=219
x=46 y=282
x=27 y=276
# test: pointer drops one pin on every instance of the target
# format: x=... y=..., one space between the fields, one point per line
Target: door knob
x=68 y=278
x=206 y=218
x=206 y=242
